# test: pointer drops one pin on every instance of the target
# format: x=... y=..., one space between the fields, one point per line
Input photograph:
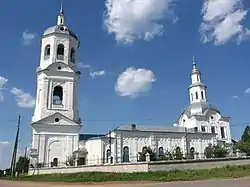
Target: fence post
x=147 y=157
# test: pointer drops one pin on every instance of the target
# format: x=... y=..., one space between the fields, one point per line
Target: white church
x=56 y=123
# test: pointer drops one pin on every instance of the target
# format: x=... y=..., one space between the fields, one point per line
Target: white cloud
x=28 y=37
x=131 y=20
x=247 y=91
x=235 y=97
x=222 y=21
x=97 y=73
x=81 y=65
x=24 y=100
x=3 y=82
x=4 y=143
x=133 y=81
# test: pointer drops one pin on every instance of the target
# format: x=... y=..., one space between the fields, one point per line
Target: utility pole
x=25 y=152
x=187 y=147
x=110 y=139
x=13 y=161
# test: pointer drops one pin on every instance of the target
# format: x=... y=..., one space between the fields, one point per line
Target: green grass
x=174 y=175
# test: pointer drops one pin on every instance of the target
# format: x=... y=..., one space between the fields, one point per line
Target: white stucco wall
x=136 y=140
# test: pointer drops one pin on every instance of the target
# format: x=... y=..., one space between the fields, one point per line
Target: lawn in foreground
x=174 y=175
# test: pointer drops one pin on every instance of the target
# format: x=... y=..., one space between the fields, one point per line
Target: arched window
x=126 y=154
x=202 y=95
x=196 y=95
x=47 y=51
x=108 y=154
x=178 y=149
x=72 y=55
x=192 y=150
x=58 y=95
x=60 y=51
x=192 y=97
x=55 y=162
x=161 y=151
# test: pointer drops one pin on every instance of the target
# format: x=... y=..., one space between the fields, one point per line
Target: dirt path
x=243 y=182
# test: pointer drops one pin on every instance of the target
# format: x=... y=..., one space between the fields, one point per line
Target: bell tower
x=56 y=123
x=57 y=74
x=197 y=89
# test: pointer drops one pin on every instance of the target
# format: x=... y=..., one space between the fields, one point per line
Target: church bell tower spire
x=197 y=90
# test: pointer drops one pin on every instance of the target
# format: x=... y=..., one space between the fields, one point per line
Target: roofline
x=38 y=122
x=201 y=84
x=166 y=132
x=53 y=33
x=39 y=70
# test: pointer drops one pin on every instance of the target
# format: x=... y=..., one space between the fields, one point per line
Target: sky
x=152 y=40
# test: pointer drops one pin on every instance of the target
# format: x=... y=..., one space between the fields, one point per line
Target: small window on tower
x=72 y=55
x=213 y=130
x=58 y=95
x=47 y=51
x=196 y=95
x=202 y=95
x=222 y=130
x=192 y=97
x=60 y=52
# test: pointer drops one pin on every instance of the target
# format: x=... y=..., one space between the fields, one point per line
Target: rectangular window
x=196 y=95
x=202 y=95
x=213 y=130
x=195 y=129
x=222 y=131
x=203 y=129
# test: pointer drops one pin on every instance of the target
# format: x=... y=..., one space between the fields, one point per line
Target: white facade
x=126 y=141
x=200 y=114
x=56 y=123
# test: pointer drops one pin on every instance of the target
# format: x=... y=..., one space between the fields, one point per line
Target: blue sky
x=152 y=39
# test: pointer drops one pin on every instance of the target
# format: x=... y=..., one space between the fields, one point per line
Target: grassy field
x=175 y=175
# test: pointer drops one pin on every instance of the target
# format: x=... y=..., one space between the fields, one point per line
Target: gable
x=60 y=67
x=57 y=119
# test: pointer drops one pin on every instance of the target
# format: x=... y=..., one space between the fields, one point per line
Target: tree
x=22 y=165
x=246 y=135
x=169 y=155
x=215 y=151
x=243 y=147
x=177 y=154
x=219 y=152
x=209 y=151
x=244 y=144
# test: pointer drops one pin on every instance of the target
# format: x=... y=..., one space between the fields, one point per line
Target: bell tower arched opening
x=58 y=95
x=60 y=52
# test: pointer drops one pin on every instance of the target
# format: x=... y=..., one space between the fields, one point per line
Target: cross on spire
x=61 y=10
x=60 y=18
